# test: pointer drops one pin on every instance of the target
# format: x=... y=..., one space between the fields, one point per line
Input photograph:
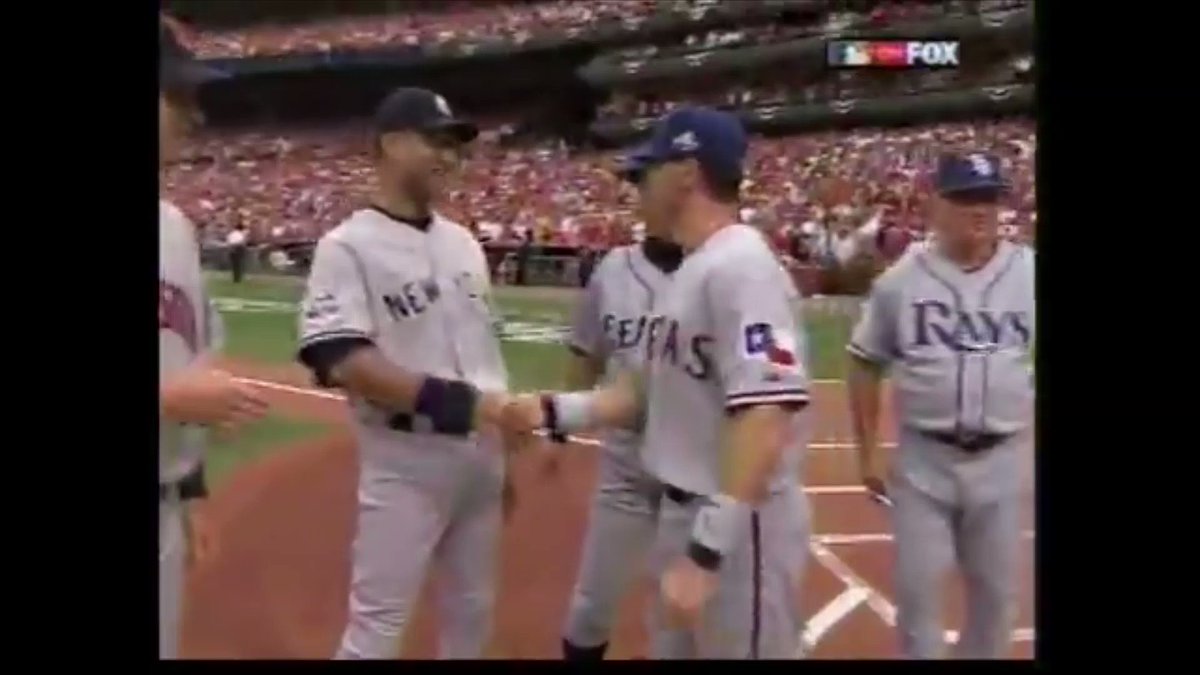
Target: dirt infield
x=278 y=588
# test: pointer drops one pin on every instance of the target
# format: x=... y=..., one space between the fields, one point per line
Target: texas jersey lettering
x=663 y=345
x=726 y=336
x=613 y=321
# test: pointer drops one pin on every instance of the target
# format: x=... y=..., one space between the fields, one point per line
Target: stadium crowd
x=459 y=21
x=775 y=86
x=519 y=21
x=809 y=190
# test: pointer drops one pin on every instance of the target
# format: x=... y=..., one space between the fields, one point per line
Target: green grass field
x=269 y=335
x=226 y=455
x=260 y=326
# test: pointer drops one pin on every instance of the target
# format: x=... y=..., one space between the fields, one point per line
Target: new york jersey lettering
x=413 y=299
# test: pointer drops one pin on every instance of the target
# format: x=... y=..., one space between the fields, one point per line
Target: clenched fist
x=523 y=414
x=202 y=394
x=489 y=408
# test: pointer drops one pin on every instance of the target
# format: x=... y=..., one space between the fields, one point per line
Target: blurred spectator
x=461 y=22
x=781 y=85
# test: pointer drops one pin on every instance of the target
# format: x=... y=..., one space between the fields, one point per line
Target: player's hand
x=686 y=588
x=202 y=394
x=201 y=537
x=523 y=414
x=508 y=496
x=489 y=408
x=874 y=478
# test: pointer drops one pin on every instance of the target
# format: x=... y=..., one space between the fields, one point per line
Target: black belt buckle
x=968 y=441
x=400 y=422
x=679 y=495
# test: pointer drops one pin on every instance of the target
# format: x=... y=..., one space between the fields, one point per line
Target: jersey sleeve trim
x=332 y=335
x=578 y=349
x=792 y=395
x=859 y=352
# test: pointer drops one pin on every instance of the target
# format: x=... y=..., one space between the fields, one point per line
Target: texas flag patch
x=778 y=349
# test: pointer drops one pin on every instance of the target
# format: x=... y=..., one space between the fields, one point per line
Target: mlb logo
x=856 y=54
x=848 y=53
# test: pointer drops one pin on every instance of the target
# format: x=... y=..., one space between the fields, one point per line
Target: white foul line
x=836 y=566
x=302 y=391
x=1018 y=635
x=332 y=396
x=828 y=617
x=835 y=539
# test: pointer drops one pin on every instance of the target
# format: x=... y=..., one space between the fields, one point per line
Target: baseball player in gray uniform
x=608 y=337
x=192 y=394
x=720 y=401
x=397 y=313
x=954 y=322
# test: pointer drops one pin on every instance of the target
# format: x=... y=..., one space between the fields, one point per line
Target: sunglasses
x=977 y=196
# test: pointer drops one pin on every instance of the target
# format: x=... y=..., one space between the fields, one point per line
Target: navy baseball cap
x=415 y=109
x=975 y=173
x=715 y=139
x=177 y=67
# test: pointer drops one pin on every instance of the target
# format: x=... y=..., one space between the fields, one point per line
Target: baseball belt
x=969 y=442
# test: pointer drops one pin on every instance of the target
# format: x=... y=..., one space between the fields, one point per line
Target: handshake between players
x=618 y=404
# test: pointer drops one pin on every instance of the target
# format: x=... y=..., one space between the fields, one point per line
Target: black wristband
x=193 y=486
x=704 y=557
x=550 y=411
x=449 y=405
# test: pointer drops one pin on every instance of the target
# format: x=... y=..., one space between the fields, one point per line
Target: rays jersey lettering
x=961 y=330
x=958 y=343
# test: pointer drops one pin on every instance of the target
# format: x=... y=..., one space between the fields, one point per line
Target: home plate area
x=848 y=596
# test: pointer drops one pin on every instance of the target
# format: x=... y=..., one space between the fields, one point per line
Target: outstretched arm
x=337 y=344
x=618 y=404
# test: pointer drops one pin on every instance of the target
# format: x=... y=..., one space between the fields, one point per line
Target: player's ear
x=691 y=176
x=392 y=144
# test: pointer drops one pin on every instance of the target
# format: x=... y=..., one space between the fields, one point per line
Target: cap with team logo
x=970 y=173
x=415 y=109
x=715 y=139
x=177 y=67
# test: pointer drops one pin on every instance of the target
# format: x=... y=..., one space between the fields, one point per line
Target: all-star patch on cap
x=415 y=109
x=715 y=139
x=975 y=172
x=177 y=67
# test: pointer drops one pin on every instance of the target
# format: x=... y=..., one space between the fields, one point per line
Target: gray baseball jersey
x=610 y=324
x=611 y=318
x=422 y=296
x=958 y=344
x=725 y=334
x=187 y=327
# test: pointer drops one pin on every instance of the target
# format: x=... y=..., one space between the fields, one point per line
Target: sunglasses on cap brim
x=975 y=196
